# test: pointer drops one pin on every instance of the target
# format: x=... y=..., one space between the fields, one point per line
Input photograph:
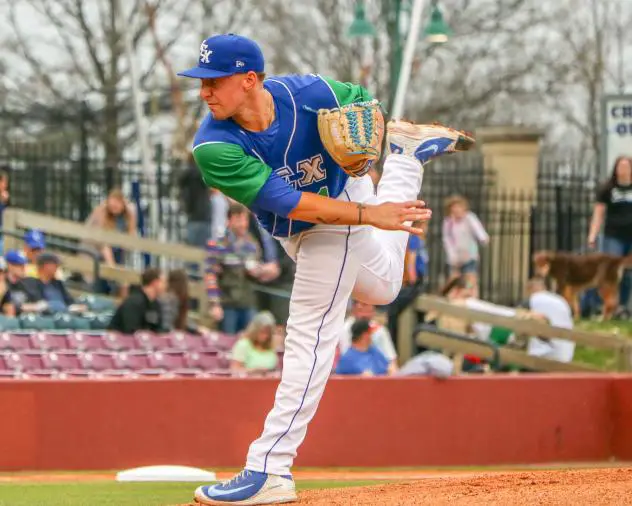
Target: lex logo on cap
x=205 y=52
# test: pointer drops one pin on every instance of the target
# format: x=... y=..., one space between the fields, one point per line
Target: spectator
x=233 y=264
x=254 y=351
x=114 y=213
x=16 y=267
x=4 y=199
x=462 y=231
x=363 y=358
x=175 y=304
x=195 y=199
x=141 y=309
x=34 y=243
x=47 y=289
x=380 y=336
x=614 y=208
x=558 y=313
x=6 y=305
x=15 y=296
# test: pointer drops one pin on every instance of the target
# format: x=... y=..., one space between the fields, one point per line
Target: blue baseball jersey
x=268 y=170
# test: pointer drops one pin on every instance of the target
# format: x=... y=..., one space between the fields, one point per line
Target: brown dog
x=574 y=273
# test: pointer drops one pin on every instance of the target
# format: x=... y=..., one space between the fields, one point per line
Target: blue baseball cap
x=225 y=55
x=34 y=239
x=15 y=257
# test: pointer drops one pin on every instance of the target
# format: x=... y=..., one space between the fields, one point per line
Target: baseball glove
x=352 y=135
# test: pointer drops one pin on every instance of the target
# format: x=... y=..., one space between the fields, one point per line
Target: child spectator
x=363 y=358
x=34 y=243
x=462 y=231
x=254 y=351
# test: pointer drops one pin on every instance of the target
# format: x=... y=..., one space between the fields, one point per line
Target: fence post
x=559 y=220
x=159 y=190
x=83 y=163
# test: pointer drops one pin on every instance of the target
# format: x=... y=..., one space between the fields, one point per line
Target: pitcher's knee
x=379 y=297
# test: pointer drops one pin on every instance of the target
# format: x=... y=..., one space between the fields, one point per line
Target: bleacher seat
x=87 y=341
x=62 y=360
x=150 y=341
x=97 y=304
x=119 y=342
x=25 y=361
x=100 y=321
x=220 y=341
x=206 y=360
x=18 y=340
x=72 y=322
x=9 y=323
x=98 y=361
x=132 y=360
x=37 y=322
x=185 y=341
x=51 y=340
x=168 y=359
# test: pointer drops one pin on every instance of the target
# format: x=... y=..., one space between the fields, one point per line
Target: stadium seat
x=72 y=322
x=100 y=321
x=37 y=322
x=87 y=341
x=220 y=341
x=98 y=361
x=26 y=361
x=119 y=342
x=16 y=341
x=206 y=360
x=62 y=360
x=185 y=341
x=150 y=341
x=9 y=323
x=168 y=359
x=132 y=360
x=97 y=304
x=51 y=340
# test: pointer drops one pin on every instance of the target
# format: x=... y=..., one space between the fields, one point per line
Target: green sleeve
x=228 y=168
x=348 y=93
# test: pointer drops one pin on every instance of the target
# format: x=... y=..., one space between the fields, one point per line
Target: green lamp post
x=437 y=31
x=361 y=27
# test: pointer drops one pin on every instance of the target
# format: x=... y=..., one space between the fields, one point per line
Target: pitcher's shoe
x=425 y=142
x=249 y=487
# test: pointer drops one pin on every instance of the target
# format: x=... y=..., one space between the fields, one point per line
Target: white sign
x=616 y=130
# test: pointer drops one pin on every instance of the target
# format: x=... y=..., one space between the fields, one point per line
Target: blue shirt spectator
x=363 y=358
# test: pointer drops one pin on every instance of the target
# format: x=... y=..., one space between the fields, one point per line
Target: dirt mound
x=573 y=487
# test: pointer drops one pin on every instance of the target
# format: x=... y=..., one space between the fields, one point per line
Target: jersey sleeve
x=348 y=93
x=244 y=178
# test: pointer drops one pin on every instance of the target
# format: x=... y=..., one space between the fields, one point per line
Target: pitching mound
x=573 y=487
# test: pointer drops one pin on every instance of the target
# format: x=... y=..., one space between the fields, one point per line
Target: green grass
x=604 y=359
x=122 y=494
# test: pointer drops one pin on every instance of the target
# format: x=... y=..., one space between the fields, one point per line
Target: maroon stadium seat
x=62 y=360
x=87 y=341
x=50 y=340
x=168 y=359
x=16 y=341
x=98 y=361
x=220 y=341
x=25 y=360
x=151 y=341
x=185 y=341
x=206 y=360
x=132 y=360
x=120 y=342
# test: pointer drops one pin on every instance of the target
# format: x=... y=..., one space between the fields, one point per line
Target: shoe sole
x=266 y=497
x=464 y=141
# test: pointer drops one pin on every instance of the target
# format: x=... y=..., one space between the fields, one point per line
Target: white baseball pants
x=332 y=264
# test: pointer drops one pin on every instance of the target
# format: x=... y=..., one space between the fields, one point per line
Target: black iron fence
x=70 y=184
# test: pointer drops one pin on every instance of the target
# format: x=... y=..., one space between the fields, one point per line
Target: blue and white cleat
x=425 y=142
x=249 y=487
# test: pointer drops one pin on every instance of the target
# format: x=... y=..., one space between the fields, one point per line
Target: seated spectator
x=558 y=313
x=233 y=264
x=15 y=295
x=254 y=351
x=45 y=290
x=380 y=336
x=141 y=309
x=363 y=358
x=34 y=243
x=4 y=198
x=7 y=307
x=175 y=304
